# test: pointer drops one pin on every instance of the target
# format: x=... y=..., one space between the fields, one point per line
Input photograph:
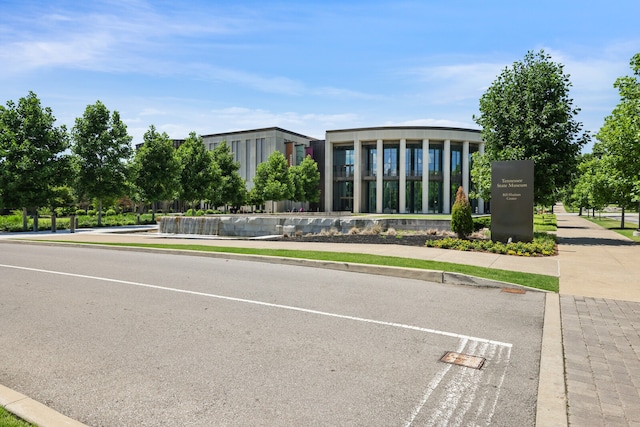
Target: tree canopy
x=619 y=141
x=527 y=114
x=200 y=175
x=273 y=180
x=33 y=159
x=232 y=189
x=156 y=168
x=102 y=149
x=306 y=181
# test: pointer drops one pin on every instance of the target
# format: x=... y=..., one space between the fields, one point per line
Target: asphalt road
x=115 y=338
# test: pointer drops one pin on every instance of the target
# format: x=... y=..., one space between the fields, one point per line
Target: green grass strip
x=538 y=281
x=614 y=225
x=7 y=419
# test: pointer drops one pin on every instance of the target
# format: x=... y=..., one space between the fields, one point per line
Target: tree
x=306 y=181
x=591 y=191
x=232 y=189
x=527 y=114
x=200 y=175
x=273 y=180
x=619 y=141
x=461 y=219
x=102 y=149
x=33 y=159
x=156 y=168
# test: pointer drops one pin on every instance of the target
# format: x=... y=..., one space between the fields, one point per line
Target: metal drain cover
x=514 y=291
x=465 y=360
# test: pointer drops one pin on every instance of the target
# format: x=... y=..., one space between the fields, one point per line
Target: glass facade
x=380 y=186
x=435 y=179
x=456 y=170
x=390 y=160
x=390 y=197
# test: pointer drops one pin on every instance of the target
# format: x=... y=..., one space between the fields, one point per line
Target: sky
x=305 y=66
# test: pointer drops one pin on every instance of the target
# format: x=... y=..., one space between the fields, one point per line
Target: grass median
x=614 y=225
x=538 y=281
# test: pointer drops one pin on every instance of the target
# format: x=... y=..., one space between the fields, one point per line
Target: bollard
x=72 y=224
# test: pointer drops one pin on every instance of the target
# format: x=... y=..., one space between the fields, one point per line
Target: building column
x=402 y=199
x=480 y=201
x=379 y=175
x=357 y=178
x=446 y=177
x=328 y=176
x=425 y=176
x=465 y=167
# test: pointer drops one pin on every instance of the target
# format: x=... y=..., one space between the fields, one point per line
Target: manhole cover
x=465 y=360
x=514 y=291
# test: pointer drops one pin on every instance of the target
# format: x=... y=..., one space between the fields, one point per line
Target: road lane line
x=266 y=304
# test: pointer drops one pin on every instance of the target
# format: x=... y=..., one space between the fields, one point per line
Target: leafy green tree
x=156 y=168
x=619 y=141
x=527 y=114
x=461 y=219
x=591 y=191
x=232 y=189
x=306 y=181
x=200 y=176
x=102 y=149
x=273 y=180
x=33 y=159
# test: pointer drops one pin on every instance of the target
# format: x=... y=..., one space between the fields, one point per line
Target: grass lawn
x=7 y=419
x=614 y=225
x=538 y=281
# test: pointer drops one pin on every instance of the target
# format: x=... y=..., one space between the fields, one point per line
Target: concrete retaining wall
x=254 y=226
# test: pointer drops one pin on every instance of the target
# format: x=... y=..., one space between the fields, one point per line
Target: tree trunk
x=54 y=226
x=35 y=220
x=580 y=212
x=638 y=215
x=622 y=219
x=25 y=219
x=153 y=211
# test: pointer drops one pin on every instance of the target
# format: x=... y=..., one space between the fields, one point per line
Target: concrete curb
x=33 y=411
x=552 y=395
x=436 y=276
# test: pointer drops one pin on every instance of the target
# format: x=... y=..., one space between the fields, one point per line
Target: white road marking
x=455 y=387
x=266 y=304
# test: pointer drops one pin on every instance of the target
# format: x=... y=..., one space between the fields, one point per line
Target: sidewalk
x=600 y=311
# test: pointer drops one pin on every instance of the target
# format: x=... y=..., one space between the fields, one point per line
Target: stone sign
x=512 y=201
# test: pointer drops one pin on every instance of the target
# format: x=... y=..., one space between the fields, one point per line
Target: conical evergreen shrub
x=461 y=220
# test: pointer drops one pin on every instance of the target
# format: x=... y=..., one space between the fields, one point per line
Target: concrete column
x=357 y=175
x=465 y=167
x=425 y=175
x=379 y=174
x=480 y=201
x=402 y=200
x=328 y=176
x=446 y=177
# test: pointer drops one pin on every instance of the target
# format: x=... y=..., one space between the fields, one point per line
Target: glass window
x=372 y=161
x=343 y=162
x=390 y=199
x=390 y=161
x=414 y=197
x=435 y=161
x=414 y=161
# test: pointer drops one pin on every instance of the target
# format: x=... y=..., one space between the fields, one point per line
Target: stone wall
x=255 y=226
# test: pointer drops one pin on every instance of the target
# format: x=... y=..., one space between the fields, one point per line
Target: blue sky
x=306 y=66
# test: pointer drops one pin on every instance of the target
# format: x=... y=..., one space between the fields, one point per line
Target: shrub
x=110 y=212
x=461 y=219
x=481 y=222
x=81 y=212
x=210 y=212
x=354 y=230
x=92 y=212
x=199 y=212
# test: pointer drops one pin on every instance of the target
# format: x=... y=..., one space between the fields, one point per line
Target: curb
x=437 y=276
x=552 y=397
x=33 y=411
